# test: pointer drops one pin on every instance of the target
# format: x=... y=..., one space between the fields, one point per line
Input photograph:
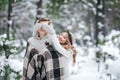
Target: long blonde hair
x=69 y=45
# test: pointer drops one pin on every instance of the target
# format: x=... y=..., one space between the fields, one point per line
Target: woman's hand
x=48 y=27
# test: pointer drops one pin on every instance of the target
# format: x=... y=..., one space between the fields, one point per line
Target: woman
x=67 y=39
x=64 y=45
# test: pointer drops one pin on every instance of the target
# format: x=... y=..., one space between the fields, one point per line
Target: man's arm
x=58 y=46
x=52 y=34
x=25 y=62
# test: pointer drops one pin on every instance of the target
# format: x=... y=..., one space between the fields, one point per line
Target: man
x=42 y=61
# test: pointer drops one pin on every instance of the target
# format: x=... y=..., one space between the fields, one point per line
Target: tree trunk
x=99 y=24
x=99 y=28
x=39 y=12
x=9 y=17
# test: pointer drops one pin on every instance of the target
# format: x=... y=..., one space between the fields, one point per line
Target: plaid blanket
x=30 y=52
x=47 y=65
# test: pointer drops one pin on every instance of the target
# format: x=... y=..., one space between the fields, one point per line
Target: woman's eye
x=61 y=34
x=64 y=37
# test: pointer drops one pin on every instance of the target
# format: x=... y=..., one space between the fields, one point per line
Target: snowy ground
x=88 y=70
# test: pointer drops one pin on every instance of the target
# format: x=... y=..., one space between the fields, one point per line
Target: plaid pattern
x=54 y=64
x=30 y=52
x=44 y=66
x=34 y=46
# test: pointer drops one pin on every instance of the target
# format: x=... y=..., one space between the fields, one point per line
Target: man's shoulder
x=31 y=42
x=31 y=39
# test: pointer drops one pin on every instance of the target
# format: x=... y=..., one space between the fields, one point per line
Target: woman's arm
x=58 y=46
x=53 y=37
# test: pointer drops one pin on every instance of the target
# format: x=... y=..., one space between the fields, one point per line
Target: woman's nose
x=61 y=36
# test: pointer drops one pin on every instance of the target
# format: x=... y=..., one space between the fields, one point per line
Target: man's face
x=63 y=37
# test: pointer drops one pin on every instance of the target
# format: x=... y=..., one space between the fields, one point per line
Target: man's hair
x=43 y=19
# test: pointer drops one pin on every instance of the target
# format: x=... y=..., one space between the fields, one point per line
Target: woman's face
x=63 y=37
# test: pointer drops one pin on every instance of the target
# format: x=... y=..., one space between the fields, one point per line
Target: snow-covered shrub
x=109 y=53
x=110 y=47
x=112 y=44
x=10 y=57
